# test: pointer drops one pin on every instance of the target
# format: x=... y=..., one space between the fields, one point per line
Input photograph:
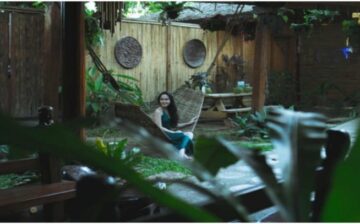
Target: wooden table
x=218 y=108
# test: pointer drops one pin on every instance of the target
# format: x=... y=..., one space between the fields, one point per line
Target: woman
x=167 y=118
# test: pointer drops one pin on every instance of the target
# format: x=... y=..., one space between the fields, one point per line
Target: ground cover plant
x=48 y=141
x=12 y=180
x=146 y=166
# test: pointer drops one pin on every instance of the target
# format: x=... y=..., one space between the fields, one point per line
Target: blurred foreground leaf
x=59 y=141
x=343 y=201
x=212 y=155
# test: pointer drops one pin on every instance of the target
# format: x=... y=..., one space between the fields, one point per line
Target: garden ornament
x=194 y=53
x=128 y=52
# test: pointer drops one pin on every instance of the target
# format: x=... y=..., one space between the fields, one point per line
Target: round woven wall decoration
x=128 y=52
x=194 y=53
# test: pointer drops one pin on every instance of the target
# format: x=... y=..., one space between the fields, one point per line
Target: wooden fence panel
x=151 y=72
x=248 y=53
x=4 y=52
x=179 y=71
x=162 y=66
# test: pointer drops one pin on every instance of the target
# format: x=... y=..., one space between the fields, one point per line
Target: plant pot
x=172 y=14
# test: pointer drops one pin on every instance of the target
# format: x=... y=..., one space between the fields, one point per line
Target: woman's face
x=164 y=100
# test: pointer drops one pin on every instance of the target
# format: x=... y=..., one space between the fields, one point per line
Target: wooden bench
x=50 y=192
x=217 y=106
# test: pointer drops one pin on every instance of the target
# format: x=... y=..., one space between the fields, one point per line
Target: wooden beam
x=52 y=58
x=74 y=63
x=261 y=65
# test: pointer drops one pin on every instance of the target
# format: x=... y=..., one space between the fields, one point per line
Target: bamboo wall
x=162 y=66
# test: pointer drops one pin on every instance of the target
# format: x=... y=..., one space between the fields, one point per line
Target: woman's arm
x=157 y=120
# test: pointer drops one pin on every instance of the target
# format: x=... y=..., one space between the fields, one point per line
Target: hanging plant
x=93 y=33
x=169 y=10
x=352 y=30
x=314 y=17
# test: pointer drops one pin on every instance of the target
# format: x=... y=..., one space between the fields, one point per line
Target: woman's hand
x=194 y=119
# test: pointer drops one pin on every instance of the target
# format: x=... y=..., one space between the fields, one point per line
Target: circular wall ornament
x=194 y=53
x=128 y=52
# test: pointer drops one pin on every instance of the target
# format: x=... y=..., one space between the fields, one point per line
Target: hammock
x=188 y=101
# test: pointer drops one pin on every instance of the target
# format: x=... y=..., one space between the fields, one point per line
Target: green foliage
x=252 y=125
x=71 y=147
x=242 y=89
x=200 y=80
x=281 y=89
x=284 y=13
x=343 y=202
x=169 y=10
x=99 y=95
x=148 y=166
x=93 y=33
x=313 y=17
x=12 y=180
x=212 y=155
x=39 y=5
x=351 y=28
x=35 y=5
x=144 y=165
x=261 y=145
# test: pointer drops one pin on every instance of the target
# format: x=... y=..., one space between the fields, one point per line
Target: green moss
x=149 y=166
x=12 y=180
x=261 y=145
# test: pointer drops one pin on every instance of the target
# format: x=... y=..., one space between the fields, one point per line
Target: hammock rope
x=107 y=77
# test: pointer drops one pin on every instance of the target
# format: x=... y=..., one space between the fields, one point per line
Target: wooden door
x=4 y=53
x=21 y=90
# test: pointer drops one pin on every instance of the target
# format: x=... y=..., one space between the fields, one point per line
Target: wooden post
x=261 y=65
x=74 y=63
x=52 y=58
x=168 y=63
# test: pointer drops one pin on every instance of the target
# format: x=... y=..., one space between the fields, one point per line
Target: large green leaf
x=61 y=142
x=344 y=198
x=212 y=155
x=298 y=139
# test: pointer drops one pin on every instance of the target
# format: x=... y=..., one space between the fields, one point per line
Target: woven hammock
x=188 y=101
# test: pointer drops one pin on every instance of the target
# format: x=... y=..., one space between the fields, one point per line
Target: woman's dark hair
x=174 y=117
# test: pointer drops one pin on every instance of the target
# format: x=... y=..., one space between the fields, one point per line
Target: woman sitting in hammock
x=166 y=117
